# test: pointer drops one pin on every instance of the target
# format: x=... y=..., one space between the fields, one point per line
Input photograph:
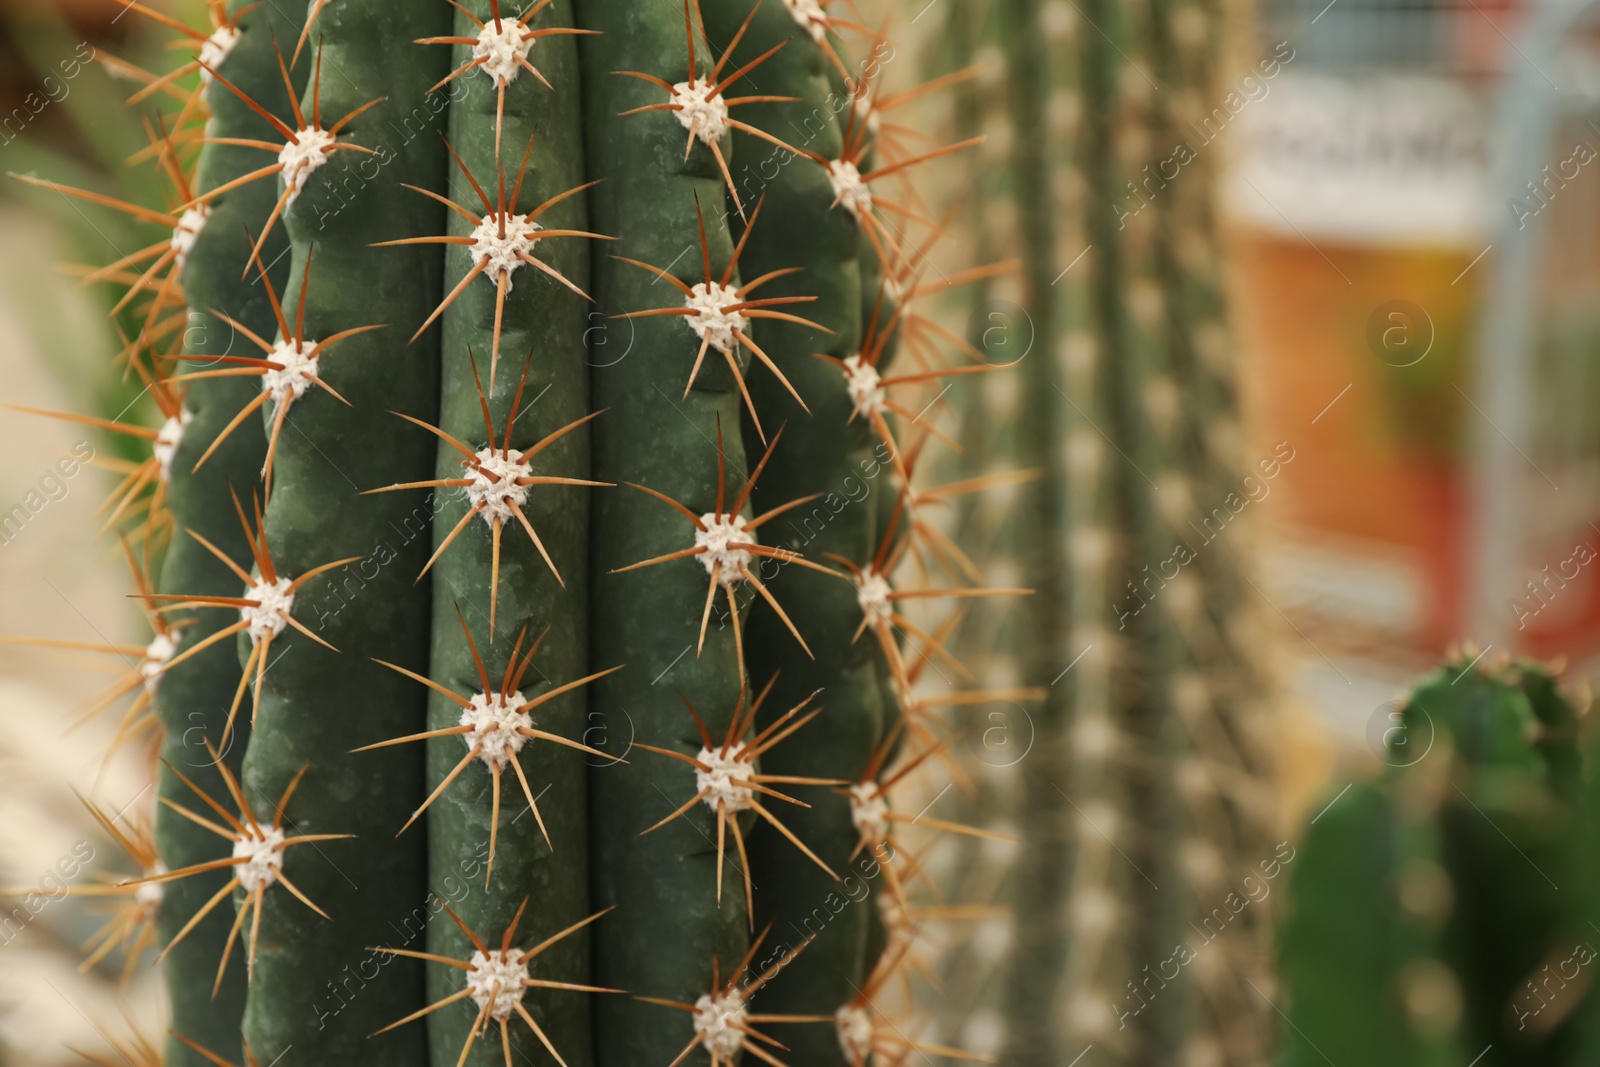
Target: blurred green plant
x=1439 y=914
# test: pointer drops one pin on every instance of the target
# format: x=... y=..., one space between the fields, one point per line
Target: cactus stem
x=257 y=860
x=502 y=240
x=305 y=148
x=727 y=779
x=724 y=546
x=287 y=368
x=496 y=722
x=496 y=481
x=723 y=1024
x=265 y=609
x=496 y=979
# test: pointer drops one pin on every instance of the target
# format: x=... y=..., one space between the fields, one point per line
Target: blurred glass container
x=1414 y=203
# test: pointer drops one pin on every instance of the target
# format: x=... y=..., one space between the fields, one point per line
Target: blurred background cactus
x=1471 y=861
x=1148 y=790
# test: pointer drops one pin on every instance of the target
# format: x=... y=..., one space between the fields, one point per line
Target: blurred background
x=1400 y=205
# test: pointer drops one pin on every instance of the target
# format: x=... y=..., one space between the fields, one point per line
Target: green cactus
x=194 y=695
x=1151 y=766
x=317 y=705
x=487 y=746
x=1467 y=850
x=1587 y=1041
x=845 y=231
x=642 y=378
x=800 y=228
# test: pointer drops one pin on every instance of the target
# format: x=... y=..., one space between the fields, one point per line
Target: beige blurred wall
x=57 y=579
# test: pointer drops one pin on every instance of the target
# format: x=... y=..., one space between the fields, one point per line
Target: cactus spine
x=519 y=375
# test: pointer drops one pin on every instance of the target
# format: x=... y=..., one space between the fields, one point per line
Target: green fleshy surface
x=319 y=990
x=194 y=696
x=544 y=319
x=1483 y=787
x=822 y=452
x=667 y=925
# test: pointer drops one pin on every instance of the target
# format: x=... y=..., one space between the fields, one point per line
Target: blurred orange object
x=1374 y=211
